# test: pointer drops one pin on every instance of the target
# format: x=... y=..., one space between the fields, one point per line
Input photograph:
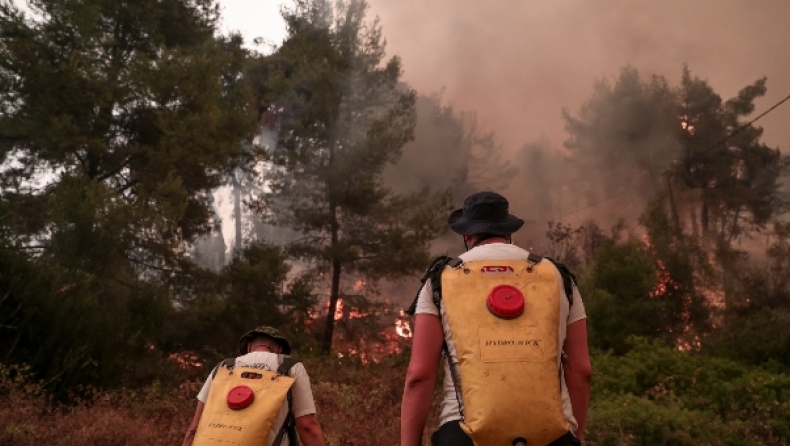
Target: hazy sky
x=518 y=63
x=254 y=18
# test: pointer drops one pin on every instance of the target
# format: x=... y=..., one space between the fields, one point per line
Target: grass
x=357 y=405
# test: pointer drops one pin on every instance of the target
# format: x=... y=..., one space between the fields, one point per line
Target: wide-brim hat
x=267 y=331
x=484 y=213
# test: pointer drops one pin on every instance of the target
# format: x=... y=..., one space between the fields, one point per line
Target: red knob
x=240 y=397
x=505 y=301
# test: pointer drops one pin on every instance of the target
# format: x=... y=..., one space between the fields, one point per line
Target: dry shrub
x=358 y=405
x=153 y=417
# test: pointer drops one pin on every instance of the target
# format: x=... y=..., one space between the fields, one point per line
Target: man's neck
x=261 y=349
x=492 y=241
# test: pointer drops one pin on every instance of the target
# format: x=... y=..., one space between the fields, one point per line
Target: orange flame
x=403 y=328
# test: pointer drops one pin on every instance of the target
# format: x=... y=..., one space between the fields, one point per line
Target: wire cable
x=595 y=204
x=741 y=128
x=738 y=130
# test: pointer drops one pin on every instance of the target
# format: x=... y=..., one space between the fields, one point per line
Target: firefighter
x=486 y=226
x=266 y=349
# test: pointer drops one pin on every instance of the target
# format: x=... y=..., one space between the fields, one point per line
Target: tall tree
x=343 y=118
x=452 y=151
x=640 y=133
x=737 y=177
x=626 y=134
x=116 y=118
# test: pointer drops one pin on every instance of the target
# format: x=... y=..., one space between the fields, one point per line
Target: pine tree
x=116 y=119
x=343 y=117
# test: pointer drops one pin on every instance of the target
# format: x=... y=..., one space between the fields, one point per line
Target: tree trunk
x=334 y=295
x=704 y=217
x=672 y=205
x=694 y=230
x=734 y=227
x=237 y=212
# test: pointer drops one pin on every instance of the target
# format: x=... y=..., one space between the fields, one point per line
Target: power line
x=748 y=124
x=695 y=155
x=596 y=203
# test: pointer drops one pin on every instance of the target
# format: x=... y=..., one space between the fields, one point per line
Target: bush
x=655 y=395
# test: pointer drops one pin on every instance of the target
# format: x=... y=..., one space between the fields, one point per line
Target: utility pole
x=672 y=205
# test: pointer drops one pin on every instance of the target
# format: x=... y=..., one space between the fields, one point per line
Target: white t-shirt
x=302 y=395
x=568 y=315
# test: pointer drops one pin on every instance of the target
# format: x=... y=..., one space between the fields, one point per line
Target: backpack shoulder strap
x=568 y=278
x=287 y=365
x=434 y=274
x=289 y=426
x=228 y=363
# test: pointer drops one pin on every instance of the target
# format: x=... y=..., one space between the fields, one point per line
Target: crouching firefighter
x=262 y=397
x=513 y=331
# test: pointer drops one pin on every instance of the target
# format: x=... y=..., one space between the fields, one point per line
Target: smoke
x=518 y=64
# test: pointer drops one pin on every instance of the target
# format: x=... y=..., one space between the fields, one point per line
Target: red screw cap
x=505 y=301
x=240 y=397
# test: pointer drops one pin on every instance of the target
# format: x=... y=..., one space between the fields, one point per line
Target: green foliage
x=252 y=290
x=344 y=117
x=759 y=307
x=651 y=289
x=652 y=395
x=737 y=178
x=639 y=133
x=656 y=395
x=627 y=132
x=115 y=120
x=683 y=271
x=616 y=289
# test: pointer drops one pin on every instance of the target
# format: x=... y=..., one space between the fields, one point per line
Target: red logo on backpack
x=497 y=270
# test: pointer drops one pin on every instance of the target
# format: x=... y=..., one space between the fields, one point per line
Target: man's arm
x=310 y=431
x=421 y=376
x=190 y=436
x=578 y=373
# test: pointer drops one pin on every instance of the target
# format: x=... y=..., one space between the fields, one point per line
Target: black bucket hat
x=484 y=213
x=262 y=331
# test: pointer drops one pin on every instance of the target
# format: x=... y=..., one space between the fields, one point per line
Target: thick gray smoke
x=518 y=64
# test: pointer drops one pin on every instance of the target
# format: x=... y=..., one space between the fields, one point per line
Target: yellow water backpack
x=243 y=403
x=503 y=318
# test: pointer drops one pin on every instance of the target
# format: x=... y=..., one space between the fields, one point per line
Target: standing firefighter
x=262 y=397
x=513 y=331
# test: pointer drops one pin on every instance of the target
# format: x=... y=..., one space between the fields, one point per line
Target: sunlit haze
x=254 y=19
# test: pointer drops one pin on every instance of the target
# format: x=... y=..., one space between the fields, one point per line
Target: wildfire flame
x=663 y=280
x=665 y=283
x=403 y=328
x=353 y=314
